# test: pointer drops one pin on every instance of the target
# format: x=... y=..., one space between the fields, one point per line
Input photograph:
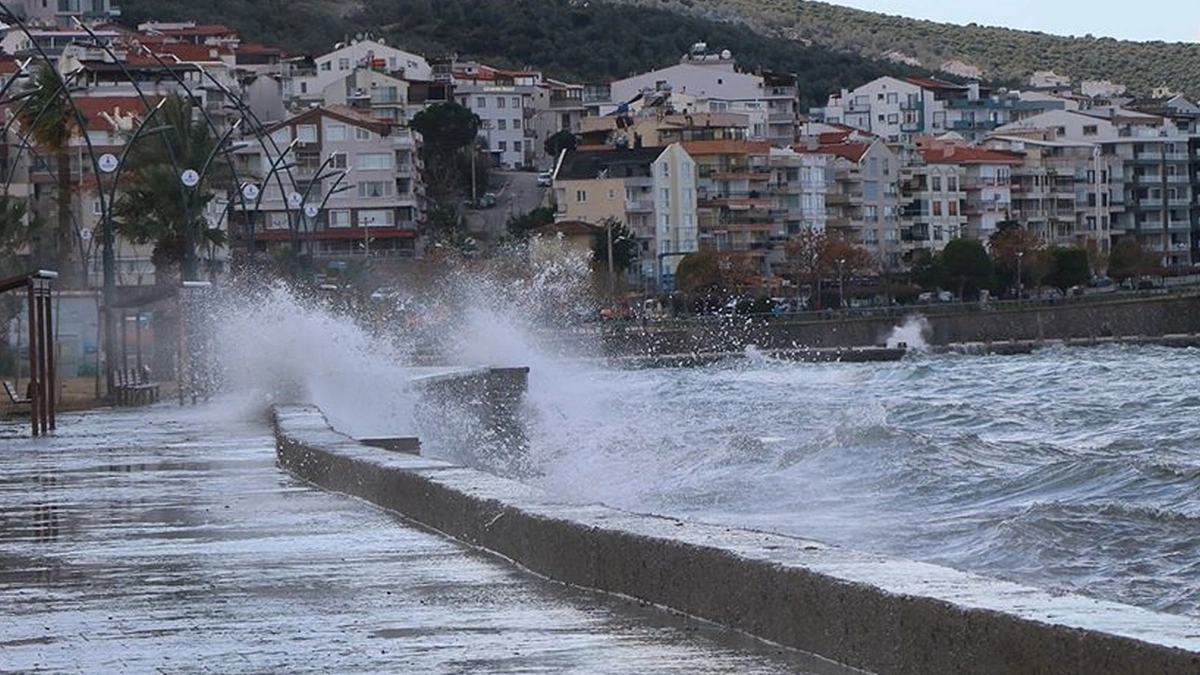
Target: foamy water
x=1069 y=469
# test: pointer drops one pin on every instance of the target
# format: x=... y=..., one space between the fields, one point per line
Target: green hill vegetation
x=572 y=40
x=1000 y=53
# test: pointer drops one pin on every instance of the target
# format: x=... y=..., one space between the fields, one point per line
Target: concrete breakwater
x=881 y=614
x=1133 y=318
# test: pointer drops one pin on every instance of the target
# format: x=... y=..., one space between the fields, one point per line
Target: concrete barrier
x=881 y=614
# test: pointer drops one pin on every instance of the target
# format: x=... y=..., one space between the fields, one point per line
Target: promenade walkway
x=165 y=540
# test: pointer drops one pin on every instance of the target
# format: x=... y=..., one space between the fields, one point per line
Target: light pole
x=841 y=291
x=1020 y=281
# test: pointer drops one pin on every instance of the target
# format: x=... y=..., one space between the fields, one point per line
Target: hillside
x=999 y=53
x=573 y=40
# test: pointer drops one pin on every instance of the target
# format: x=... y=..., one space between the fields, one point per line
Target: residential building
x=705 y=81
x=557 y=106
x=335 y=182
x=863 y=200
x=308 y=80
x=986 y=183
x=65 y=12
x=899 y=110
x=933 y=209
x=505 y=101
x=651 y=189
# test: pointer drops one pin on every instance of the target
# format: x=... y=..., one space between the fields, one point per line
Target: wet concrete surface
x=166 y=540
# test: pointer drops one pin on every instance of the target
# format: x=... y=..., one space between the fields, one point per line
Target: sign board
x=311 y=210
x=107 y=162
x=295 y=199
x=250 y=191
x=190 y=178
x=85 y=234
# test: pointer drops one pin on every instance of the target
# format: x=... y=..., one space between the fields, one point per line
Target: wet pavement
x=165 y=540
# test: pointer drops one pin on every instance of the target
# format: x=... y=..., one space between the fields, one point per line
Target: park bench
x=16 y=403
x=133 y=386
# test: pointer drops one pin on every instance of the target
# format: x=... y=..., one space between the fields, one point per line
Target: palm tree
x=48 y=120
x=154 y=208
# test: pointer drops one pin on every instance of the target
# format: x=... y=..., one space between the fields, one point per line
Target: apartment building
x=64 y=12
x=705 y=81
x=505 y=101
x=651 y=189
x=985 y=183
x=899 y=110
x=306 y=82
x=933 y=203
x=863 y=200
x=332 y=181
x=557 y=106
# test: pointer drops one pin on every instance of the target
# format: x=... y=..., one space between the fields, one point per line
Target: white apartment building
x=503 y=110
x=704 y=82
x=308 y=83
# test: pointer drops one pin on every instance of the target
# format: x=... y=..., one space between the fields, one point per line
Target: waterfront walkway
x=166 y=540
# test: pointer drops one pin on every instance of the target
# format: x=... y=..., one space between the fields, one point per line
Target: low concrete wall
x=1066 y=319
x=885 y=615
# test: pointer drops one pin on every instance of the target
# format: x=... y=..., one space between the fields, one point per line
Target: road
x=518 y=193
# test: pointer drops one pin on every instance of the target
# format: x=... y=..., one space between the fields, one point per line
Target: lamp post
x=1020 y=281
x=841 y=290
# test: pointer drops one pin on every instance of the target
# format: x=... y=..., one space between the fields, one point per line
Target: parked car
x=545 y=179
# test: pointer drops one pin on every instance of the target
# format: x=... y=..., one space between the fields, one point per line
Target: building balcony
x=780 y=118
x=639 y=206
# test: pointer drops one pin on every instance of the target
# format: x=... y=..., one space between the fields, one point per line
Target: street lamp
x=841 y=290
x=1020 y=281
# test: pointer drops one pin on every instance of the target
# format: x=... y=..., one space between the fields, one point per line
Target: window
x=337 y=160
x=516 y=124
x=893 y=97
x=516 y=146
x=666 y=170
x=893 y=118
x=935 y=183
x=501 y=125
x=361 y=134
x=306 y=133
x=1089 y=130
x=374 y=189
x=480 y=102
x=664 y=195
x=282 y=136
x=376 y=218
x=335 y=132
x=502 y=146
x=516 y=102
x=97 y=208
x=952 y=183
x=499 y=101
x=339 y=218
x=343 y=64
x=375 y=161
x=303 y=87
x=328 y=65
x=952 y=208
x=580 y=196
x=937 y=207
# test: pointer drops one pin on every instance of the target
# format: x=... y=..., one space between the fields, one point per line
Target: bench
x=17 y=404
x=134 y=387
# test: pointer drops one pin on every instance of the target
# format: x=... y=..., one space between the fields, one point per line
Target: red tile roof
x=958 y=154
x=851 y=151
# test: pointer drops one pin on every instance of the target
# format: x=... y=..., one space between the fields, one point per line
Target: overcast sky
x=1168 y=20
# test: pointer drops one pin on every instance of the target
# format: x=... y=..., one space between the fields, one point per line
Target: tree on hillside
x=559 y=141
x=48 y=119
x=448 y=134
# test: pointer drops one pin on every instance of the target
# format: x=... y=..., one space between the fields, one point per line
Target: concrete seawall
x=885 y=615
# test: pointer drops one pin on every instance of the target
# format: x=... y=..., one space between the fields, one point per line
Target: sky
x=1167 y=20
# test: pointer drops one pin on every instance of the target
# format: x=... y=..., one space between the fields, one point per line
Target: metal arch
x=243 y=110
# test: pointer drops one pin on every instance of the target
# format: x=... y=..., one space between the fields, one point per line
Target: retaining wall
x=886 y=615
x=1066 y=319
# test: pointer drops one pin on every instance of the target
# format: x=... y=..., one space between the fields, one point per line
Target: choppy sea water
x=1069 y=469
